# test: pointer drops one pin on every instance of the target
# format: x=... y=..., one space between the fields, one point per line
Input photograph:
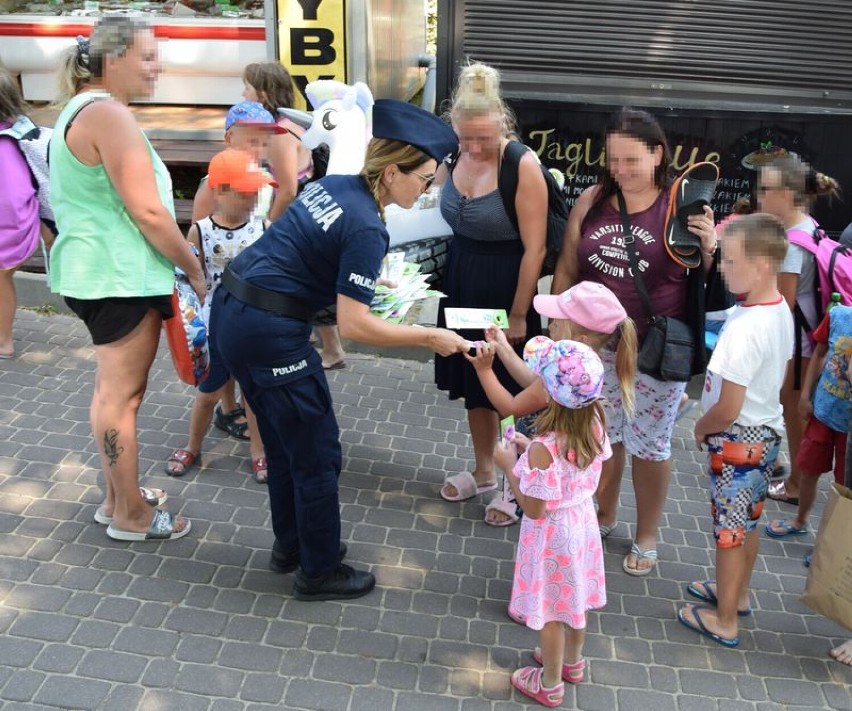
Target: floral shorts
x=648 y=434
x=741 y=462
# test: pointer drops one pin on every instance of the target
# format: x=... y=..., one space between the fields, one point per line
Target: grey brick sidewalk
x=199 y=623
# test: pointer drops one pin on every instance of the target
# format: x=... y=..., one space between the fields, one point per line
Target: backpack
x=834 y=274
x=557 y=206
x=33 y=141
x=833 y=264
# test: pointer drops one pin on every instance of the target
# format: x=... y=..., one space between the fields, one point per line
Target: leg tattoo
x=110 y=449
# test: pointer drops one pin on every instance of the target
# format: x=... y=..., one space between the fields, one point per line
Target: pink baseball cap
x=588 y=304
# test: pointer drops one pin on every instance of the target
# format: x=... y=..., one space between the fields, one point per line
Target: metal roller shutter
x=773 y=53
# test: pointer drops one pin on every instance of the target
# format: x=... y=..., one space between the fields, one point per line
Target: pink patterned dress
x=559 y=568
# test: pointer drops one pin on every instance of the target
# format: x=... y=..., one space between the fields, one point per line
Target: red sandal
x=185 y=459
x=259 y=465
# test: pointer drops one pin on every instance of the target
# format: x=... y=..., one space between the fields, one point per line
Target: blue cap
x=410 y=124
x=251 y=113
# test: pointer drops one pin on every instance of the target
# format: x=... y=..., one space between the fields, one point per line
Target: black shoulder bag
x=669 y=346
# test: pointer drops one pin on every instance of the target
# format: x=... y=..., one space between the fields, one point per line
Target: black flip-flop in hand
x=690 y=193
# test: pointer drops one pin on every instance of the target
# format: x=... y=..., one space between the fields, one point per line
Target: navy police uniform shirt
x=330 y=241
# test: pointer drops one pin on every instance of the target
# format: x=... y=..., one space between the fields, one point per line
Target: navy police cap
x=410 y=124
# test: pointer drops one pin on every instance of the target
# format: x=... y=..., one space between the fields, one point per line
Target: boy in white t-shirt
x=742 y=423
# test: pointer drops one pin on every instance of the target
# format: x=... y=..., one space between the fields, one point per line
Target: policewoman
x=326 y=248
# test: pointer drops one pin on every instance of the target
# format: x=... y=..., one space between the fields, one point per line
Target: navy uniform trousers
x=297 y=425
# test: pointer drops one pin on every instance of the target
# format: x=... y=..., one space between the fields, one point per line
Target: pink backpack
x=834 y=268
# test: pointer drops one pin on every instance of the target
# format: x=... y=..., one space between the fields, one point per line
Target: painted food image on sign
x=764 y=155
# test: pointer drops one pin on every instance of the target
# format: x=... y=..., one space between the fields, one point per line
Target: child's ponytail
x=625 y=364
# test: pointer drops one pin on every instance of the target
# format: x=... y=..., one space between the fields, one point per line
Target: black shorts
x=112 y=318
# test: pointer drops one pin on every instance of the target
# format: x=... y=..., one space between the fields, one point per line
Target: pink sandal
x=572 y=673
x=527 y=680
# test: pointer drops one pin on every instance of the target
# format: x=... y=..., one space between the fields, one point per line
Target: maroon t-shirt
x=603 y=258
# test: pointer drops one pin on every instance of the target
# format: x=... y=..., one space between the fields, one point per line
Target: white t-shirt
x=753 y=349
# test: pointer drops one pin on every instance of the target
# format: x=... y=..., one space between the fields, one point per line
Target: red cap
x=238 y=170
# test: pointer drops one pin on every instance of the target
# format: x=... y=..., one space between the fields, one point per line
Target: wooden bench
x=183 y=152
x=183 y=214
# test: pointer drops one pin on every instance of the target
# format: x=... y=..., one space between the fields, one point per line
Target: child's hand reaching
x=483 y=359
x=505 y=456
x=521 y=442
x=496 y=337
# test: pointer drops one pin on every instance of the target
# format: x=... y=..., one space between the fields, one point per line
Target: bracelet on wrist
x=712 y=250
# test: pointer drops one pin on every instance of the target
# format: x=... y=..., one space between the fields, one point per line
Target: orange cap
x=238 y=170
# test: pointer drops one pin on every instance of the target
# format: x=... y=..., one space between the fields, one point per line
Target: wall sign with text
x=569 y=138
x=312 y=42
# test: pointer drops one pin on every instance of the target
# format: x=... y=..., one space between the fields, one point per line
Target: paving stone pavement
x=200 y=623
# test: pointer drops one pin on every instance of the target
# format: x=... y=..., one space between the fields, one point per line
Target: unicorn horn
x=303 y=119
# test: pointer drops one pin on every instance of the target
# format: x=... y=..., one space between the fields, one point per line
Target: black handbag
x=668 y=351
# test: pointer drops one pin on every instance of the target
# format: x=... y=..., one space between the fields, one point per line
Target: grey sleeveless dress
x=483 y=262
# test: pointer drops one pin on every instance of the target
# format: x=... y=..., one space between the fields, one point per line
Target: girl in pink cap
x=559 y=569
x=587 y=312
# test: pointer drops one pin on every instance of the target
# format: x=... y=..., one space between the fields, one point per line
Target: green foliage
x=431 y=27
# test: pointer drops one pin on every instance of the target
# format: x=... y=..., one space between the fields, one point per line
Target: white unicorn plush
x=342 y=119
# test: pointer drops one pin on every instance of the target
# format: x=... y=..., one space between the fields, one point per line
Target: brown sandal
x=186 y=459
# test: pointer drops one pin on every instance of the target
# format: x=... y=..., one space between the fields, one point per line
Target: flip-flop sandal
x=701 y=628
x=465 y=486
x=606 y=530
x=339 y=365
x=225 y=422
x=706 y=594
x=778 y=492
x=640 y=554
x=183 y=457
x=162 y=528
x=572 y=673
x=689 y=194
x=152 y=497
x=527 y=680
x=783 y=528
x=259 y=465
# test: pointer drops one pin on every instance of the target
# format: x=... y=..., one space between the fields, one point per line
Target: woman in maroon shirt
x=637 y=163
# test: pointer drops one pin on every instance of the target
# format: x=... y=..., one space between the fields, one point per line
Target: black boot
x=282 y=561
x=343 y=583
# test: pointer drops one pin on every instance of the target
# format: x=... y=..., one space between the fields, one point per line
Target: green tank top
x=100 y=251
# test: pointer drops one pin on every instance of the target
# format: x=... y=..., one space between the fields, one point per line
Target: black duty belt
x=266 y=299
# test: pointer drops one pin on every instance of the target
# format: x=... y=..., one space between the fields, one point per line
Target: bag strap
x=507 y=178
x=630 y=244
